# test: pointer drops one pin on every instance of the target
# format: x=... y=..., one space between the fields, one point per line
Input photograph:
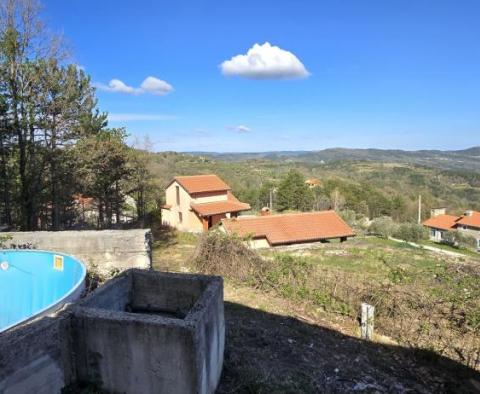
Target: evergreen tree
x=293 y=193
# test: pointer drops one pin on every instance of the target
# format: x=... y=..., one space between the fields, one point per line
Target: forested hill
x=387 y=185
x=468 y=159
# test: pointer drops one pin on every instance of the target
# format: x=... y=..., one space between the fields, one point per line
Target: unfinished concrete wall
x=105 y=250
x=35 y=358
x=142 y=332
x=170 y=337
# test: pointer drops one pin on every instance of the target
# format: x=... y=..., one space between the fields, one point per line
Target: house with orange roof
x=440 y=222
x=196 y=203
x=289 y=229
x=313 y=183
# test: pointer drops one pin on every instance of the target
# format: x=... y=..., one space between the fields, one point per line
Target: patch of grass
x=466 y=252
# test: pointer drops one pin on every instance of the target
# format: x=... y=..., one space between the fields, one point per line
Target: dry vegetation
x=291 y=315
x=422 y=301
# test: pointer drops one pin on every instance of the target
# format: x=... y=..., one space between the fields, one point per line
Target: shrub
x=459 y=239
x=220 y=254
x=4 y=239
x=411 y=232
x=448 y=238
x=383 y=226
x=466 y=240
x=349 y=216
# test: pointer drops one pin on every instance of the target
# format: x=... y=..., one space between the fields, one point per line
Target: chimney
x=468 y=213
x=265 y=211
x=437 y=211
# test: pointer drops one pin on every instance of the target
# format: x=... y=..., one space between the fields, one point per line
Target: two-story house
x=196 y=203
x=440 y=222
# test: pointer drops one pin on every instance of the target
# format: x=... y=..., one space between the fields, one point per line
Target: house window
x=177 y=191
x=180 y=217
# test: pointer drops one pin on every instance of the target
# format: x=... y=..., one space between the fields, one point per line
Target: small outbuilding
x=288 y=229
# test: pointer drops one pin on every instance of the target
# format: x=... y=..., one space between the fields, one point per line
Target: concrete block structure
x=104 y=251
x=142 y=332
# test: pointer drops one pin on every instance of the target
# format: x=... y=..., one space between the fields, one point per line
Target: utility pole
x=419 y=209
x=271 y=199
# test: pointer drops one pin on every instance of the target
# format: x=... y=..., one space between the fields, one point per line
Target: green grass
x=466 y=252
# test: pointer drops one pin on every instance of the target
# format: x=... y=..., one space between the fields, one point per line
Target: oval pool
x=33 y=282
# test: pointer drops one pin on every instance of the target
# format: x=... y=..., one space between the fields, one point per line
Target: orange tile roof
x=218 y=207
x=442 y=222
x=290 y=228
x=201 y=183
x=312 y=181
x=473 y=220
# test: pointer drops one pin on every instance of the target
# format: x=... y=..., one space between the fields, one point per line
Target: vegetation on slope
x=422 y=300
x=369 y=188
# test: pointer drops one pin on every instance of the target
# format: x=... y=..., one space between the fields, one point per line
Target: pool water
x=34 y=282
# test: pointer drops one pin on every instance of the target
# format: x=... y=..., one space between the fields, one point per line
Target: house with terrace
x=440 y=223
x=288 y=229
x=197 y=203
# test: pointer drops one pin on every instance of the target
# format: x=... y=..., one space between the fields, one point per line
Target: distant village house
x=289 y=229
x=440 y=223
x=312 y=182
x=196 y=203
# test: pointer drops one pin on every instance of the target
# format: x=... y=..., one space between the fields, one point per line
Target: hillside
x=390 y=186
x=293 y=328
x=467 y=159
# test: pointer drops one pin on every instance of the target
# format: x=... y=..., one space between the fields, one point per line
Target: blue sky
x=386 y=74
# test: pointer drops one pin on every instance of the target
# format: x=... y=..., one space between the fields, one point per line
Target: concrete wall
x=144 y=348
x=35 y=358
x=104 y=341
x=105 y=250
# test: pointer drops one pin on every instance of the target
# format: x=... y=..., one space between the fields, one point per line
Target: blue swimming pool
x=34 y=282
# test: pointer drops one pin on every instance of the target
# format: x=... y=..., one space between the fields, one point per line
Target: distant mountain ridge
x=466 y=159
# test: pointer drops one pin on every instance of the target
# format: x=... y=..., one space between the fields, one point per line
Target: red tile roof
x=201 y=183
x=442 y=222
x=472 y=221
x=290 y=228
x=218 y=207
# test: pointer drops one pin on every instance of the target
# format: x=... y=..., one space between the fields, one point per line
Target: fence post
x=367 y=320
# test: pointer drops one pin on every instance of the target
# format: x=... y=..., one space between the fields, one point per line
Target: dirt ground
x=276 y=346
x=272 y=347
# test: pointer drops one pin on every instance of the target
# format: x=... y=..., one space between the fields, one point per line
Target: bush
x=383 y=226
x=3 y=239
x=466 y=240
x=349 y=216
x=411 y=232
x=459 y=239
x=220 y=254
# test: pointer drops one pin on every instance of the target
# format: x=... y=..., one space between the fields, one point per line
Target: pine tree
x=293 y=193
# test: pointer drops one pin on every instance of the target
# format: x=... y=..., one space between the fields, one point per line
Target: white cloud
x=240 y=129
x=126 y=117
x=265 y=62
x=156 y=86
x=150 y=85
